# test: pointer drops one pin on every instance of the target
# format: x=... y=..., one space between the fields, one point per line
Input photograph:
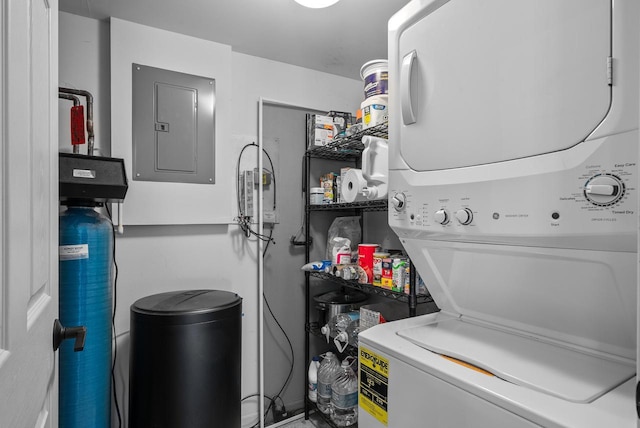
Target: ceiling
x=336 y=40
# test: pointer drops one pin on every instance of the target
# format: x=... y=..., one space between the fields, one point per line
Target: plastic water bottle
x=348 y=337
x=347 y=272
x=353 y=331
x=344 y=397
x=339 y=323
x=327 y=372
x=312 y=377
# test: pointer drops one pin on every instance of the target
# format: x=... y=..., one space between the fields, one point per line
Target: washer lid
x=556 y=370
x=528 y=76
x=584 y=299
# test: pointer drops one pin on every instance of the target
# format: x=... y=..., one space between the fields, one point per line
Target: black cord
x=255 y=394
x=284 y=385
x=113 y=319
x=245 y=223
x=244 y=219
x=273 y=175
x=286 y=382
x=266 y=412
x=262 y=237
x=294 y=238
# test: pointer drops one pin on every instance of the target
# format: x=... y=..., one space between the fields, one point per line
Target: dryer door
x=494 y=80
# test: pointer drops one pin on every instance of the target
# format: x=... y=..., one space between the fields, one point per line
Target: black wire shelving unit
x=348 y=148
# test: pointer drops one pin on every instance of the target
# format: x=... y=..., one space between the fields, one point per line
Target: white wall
x=151 y=202
x=84 y=64
x=154 y=259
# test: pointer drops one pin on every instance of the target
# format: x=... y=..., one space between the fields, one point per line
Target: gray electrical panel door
x=173 y=126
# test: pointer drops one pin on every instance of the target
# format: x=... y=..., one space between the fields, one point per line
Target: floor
x=313 y=422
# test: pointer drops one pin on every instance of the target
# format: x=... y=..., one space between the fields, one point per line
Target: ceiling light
x=316 y=4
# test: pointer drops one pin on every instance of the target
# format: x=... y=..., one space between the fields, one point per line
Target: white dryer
x=513 y=186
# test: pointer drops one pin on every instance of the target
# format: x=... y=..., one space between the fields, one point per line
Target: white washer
x=513 y=152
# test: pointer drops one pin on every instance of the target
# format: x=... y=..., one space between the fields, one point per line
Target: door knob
x=61 y=333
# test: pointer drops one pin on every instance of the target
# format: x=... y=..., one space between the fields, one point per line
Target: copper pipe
x=76 y=102
x=89 y=98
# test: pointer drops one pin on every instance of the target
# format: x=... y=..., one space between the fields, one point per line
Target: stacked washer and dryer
x=513 y=153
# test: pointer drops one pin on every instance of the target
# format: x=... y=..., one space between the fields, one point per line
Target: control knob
x=399 y=201
x=441 y=216
x=464 y=216
x=604 y=189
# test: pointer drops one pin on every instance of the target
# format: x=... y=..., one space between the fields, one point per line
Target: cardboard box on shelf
x=378 y=313
x=341 y=121
x=321 y=129
x=328 y=183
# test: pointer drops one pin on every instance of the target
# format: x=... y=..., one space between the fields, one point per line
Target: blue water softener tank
x=184 y=366
x=86 y=256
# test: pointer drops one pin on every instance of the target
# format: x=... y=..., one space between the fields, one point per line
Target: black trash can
x=184 y=368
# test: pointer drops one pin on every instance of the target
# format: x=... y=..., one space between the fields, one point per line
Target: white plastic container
x=375 y=74
x=375 y=167
x=316 y=196
x=312 y=377
x=375 y=111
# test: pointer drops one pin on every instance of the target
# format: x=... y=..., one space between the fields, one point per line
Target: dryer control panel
x=583 y=197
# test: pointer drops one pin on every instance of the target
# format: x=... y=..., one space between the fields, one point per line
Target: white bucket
x=374 y=111
x=376 y=76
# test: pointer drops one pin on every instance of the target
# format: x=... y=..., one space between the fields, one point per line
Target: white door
x=28 y=212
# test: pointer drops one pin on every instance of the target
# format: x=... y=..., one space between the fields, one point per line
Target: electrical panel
x=173 y=126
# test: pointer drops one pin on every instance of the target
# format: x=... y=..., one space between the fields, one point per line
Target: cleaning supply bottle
x=344 y=396
x=312 y=377
x=327 y=373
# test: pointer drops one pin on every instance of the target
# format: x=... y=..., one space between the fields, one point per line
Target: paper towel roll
x=352 y=185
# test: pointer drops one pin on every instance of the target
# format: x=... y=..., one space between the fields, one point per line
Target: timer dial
x=441 y=216
x=604 y=189
x=399 y=201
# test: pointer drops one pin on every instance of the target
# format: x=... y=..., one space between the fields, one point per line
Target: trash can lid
x=185 y=305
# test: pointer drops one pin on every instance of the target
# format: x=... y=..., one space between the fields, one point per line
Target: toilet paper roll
x=352 y=185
